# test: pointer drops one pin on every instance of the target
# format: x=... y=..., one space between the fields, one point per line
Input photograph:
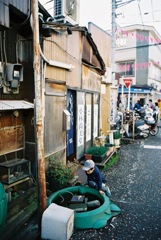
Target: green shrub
x=60 y=172
x=97 y=150
x=117 y=135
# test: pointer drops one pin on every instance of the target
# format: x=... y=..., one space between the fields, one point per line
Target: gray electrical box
x=66 y=120
x=14 y=75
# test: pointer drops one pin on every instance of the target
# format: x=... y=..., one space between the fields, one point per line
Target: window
x=126 y=68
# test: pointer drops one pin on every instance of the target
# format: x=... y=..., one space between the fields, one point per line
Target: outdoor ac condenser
x=57 y=223
x=66 y=11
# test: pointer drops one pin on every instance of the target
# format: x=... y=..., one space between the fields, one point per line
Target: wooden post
x=39 y=113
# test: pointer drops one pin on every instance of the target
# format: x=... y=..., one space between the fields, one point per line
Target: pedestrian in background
x=151 y=104
x=120 y=106
x=137 y=105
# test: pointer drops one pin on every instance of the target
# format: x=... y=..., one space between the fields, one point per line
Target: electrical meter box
x=66 y=120
x=14 y=170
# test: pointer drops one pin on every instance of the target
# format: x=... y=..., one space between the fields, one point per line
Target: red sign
x=127 y=82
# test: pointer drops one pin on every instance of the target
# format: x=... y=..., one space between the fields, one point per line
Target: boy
x=95 y=179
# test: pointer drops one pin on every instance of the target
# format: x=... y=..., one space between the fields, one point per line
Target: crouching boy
x=95 y=178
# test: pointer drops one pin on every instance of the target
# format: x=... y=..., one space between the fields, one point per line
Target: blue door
x=71 y=133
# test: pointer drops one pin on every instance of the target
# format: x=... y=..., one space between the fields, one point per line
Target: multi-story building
x=138 y=57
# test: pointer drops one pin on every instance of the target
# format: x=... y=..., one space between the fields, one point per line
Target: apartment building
x=138 y=57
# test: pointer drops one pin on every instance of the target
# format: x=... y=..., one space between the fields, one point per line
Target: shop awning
x=135 y=90
x=15 y=104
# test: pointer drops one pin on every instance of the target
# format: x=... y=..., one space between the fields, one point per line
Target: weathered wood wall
x=11 y=133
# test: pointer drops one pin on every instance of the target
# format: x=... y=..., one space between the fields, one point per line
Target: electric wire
x=140 y=14
x=48 y=2
x=152 y=11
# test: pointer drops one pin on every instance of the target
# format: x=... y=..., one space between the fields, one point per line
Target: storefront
x=136 y=93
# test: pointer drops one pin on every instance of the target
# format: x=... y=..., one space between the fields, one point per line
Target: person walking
x=151 y=104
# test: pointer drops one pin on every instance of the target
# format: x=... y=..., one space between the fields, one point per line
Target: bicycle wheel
x=145 y=133
x=154 y=131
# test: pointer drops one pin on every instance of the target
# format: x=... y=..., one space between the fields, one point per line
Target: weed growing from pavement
x=112 y=161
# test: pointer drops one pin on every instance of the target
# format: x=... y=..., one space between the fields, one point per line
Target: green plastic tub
x=96 y=218
x=3 y=207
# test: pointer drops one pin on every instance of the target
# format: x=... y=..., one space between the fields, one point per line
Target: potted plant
x=117 y=136
x=88 y=154
x=98 y=153
x=59 y=175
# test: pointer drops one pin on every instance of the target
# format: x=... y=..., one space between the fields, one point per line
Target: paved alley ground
x=135 y=183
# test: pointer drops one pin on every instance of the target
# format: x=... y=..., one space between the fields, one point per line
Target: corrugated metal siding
x=22 y=5
x=24 y=57
x=4 y=15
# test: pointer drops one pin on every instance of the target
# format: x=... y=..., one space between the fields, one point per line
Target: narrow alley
x=135 y=183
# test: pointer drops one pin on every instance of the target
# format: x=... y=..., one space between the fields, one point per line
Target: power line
x=140 y=14
x=121 y=4
x=152 y=11
x=142 y=46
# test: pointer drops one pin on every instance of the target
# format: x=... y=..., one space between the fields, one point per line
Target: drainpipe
x=39 y=111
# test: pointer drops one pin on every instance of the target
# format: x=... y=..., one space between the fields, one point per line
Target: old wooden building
x=72 y=90
x=70 y=67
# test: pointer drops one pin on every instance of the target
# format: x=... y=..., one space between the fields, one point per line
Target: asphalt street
x=135 y=184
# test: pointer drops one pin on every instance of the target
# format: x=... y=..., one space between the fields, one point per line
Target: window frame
x=126 y=72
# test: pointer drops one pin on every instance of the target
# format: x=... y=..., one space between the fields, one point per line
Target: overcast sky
x=145 y=12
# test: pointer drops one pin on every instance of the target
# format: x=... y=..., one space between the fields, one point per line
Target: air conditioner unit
x=66 y=11
x=107 y=77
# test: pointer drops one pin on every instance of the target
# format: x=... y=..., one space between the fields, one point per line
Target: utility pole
x=113 y=40
x=39 y=119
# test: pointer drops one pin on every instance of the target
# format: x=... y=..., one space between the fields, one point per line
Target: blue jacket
x=97 y=177
x=137 y=105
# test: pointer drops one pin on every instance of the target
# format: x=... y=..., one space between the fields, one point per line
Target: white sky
x=99 y=12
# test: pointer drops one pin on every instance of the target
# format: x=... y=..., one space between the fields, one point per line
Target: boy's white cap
x=88 y=164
